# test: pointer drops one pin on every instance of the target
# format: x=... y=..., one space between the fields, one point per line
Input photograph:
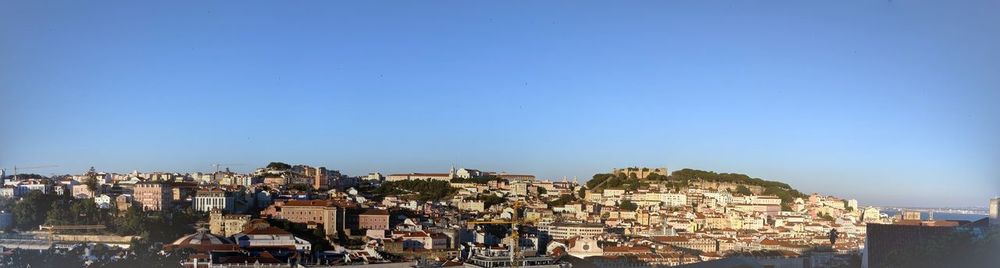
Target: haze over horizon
x=888 y=103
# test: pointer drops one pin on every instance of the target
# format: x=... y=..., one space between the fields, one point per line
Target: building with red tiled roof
x=624 y=250
x=305 y=211
x=201 y=241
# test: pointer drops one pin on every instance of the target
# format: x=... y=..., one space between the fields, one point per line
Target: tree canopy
x=561 y=200
x=26 y=176
x=278 y=166
x=628 y=206
x=424 y=190
x=33 y=209
x=37 y=209
x=743 y=190
x=478 y=180
x=612 y=181
x=682 y=178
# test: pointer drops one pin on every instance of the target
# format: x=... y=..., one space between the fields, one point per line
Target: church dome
x=202 y=241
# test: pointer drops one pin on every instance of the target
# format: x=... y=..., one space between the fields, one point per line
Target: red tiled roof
x=317 y=203
x=670 y=239
x=423 y=174
x=634 y=249
x=375 y=212
x=266 y=231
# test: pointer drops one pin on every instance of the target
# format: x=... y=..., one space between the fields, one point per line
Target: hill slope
x=683 y=178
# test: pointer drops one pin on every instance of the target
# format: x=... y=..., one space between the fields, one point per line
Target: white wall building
x=271 y=237
x=103 y=201
x=214 y=199
x=568 y=230
x=995 y=211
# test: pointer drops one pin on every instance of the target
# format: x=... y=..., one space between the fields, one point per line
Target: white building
x=767 y=200
x=374 y=176
x=519 y=189
x=207 y=200
x=562 y=230
x=995 y=211
x=613 y=193
x=103 y=201
x=472 y=205
x=720 y=197
x=420 y=176
x=271 y=237
x=673 y=199
x=853 y=204
x=8 y=191
x=235 y=180
x=466 y=173
x=34 y=186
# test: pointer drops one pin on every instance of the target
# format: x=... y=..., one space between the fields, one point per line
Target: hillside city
x=285 y=215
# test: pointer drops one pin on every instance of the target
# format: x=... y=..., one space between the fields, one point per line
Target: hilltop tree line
x=683 y=178
x=25 y=176
x=479 y=180
x=424 y=190
x=278 y=166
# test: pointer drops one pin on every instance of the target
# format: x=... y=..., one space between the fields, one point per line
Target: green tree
x=132 y=222
x=656 y=177
x=490 y=200
x=32 y=210
x=743 y=190
x=425 y=190
x=91 y=181
x=628 y=206
x=562 y=200
x=58 y=214
x=484 y=179
x=278 y=166
x=598 y=179
x=300 y=186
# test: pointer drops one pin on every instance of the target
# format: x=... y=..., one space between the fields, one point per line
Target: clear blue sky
x=890 y=102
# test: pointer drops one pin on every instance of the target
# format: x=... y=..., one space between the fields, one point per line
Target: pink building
x=374 y=219
x=152 y=196
x=82 y=191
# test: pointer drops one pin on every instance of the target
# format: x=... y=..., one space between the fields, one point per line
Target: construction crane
x=224 y=165
x=31 y=167
x=515 y=237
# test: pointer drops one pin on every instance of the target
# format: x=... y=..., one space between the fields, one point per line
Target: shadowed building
x=887 y=243
x=374 y=219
